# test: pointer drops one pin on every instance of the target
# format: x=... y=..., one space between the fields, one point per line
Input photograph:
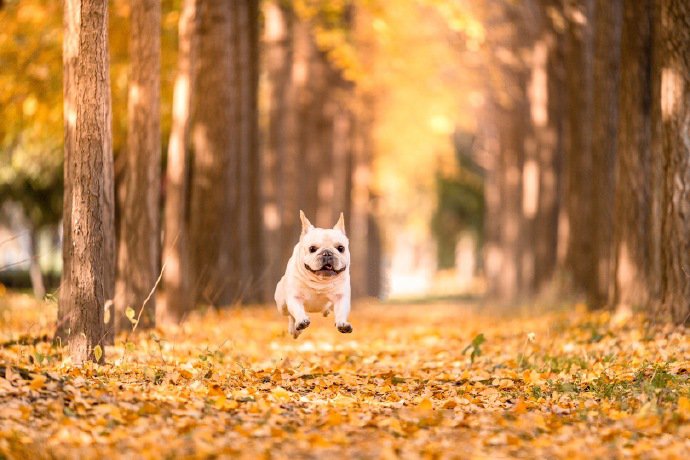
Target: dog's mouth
x=325 y=270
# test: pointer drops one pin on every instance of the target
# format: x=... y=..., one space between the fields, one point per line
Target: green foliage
x=460 y=204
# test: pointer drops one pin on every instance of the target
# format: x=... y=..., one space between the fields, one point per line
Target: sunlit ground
x=424 y=380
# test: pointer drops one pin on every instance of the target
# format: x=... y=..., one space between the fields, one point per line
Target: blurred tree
x=214 y=191
x=250 y=259
x=674 y=62
x=608 y=18
x=279 y=154
x=509 y=259
x=546 y=114
x=578 y=167
x=139 y=242
x=460 y=205
x=177 y=275
x=636 y=232
x=89 y=233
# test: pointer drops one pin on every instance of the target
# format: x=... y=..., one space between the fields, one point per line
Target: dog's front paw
x=345 y=328
x=302 y=325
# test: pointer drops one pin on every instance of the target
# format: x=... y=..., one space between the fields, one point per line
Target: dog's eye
x=312 y=249
x=341 y=248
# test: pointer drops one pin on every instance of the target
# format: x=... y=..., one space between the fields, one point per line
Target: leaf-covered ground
x=431 y=380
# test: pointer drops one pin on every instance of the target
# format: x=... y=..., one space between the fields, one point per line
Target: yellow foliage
x=235 y=381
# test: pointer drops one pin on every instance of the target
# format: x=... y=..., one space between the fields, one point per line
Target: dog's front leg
x=299 y=320
x=342 y=310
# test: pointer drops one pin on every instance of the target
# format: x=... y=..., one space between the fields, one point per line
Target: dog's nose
x=326 y=253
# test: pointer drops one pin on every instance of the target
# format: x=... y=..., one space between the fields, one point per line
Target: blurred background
x=470 y=144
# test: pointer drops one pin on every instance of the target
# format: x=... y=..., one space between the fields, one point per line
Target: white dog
x=317 y=277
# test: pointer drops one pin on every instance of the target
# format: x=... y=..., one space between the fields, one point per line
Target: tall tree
x=139 y=245
x=675 y=117
x=278 y=50
x=578 y=147
x=547 y=118
x=250 y=258
x=213 y=229
x=604 y=123
x=88 y=221
x=636 y=208
x=176 y=277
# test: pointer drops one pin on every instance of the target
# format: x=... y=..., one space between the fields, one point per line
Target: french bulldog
x=317 y=278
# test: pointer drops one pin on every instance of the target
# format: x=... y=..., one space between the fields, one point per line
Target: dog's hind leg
x=327 y=309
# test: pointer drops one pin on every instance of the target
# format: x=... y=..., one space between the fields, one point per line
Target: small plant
x=475 y=346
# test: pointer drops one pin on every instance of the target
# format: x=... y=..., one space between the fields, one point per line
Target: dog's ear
x=306 y=225
x=340 y=225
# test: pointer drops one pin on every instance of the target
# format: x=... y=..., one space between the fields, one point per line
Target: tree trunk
x=578 y=148
x=251 y=259
x=675 y=116
x=358 y=226
x=512 y=228
x=549 y=133
x=278 y=51
x=290 y=158
x=139 y=251
x=214 y=133
x=636 y=261
x=88 y=229
x=176 y=276
x=35 y=266
x=604 y=122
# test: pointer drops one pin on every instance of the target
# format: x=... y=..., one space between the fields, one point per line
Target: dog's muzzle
x=326 y=269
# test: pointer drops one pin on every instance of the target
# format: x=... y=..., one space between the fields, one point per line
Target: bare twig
x=153 y=289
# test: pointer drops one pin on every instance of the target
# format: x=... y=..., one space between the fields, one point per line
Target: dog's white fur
x=306 y=287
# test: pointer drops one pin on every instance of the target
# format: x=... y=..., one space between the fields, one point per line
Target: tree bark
x=578 y=148
x=139 y=249
x=89 y=226
x=675 y=117
x=251 y=259
x=549 y=133
x=176 y=276
x=604 y=122
x=291 y=160
x=635 y=236
x=358 y=223
x=214 y=133
x=277 y=42
x=35 y=266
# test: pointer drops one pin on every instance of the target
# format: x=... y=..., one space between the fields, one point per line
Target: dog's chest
x=316 y=302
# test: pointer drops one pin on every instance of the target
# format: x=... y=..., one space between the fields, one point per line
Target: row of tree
x=232 y=187
x=585 y=136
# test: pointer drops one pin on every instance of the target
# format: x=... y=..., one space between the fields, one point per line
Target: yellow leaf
x=334 y=418
x=216 y=390
x=520 y=407
x=280 y=394
x=97 y=352
x=684 y=407
x=130 y=313
x=426 y=404
x=38 y=382
x=450 y=404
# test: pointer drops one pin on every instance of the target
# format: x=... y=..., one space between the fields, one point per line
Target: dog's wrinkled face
x=325 y=253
